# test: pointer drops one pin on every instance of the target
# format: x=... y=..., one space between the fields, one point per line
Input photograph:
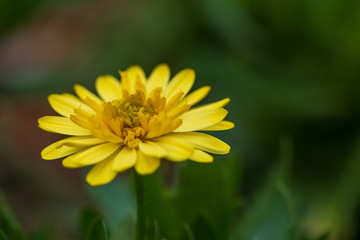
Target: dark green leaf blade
x=8 y=223
x=97 y=231
x=91 y=226
x=3 y=235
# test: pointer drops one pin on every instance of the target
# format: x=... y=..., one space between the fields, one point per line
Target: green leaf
x=203 y=229
x=97 y=231
x=8 y=223
x=3 y=235
x=266 y=219
x=273 y=212
x=164 y=219
x=206 y=198
x=87 y=216
x=91 y=227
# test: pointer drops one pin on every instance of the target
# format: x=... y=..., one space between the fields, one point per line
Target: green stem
x=141 y=222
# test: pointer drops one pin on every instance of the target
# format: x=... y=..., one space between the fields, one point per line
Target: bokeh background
x=291 y=69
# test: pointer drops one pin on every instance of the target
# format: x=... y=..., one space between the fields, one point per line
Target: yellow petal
x=125 y=159
x=159 y=77
x=82 y=120
x=125 y=83
x=101 y=173
x=177 y=149
x=193 y=121
x=172 y=102
x=66 y=103
x=178 y=111
x=206 y=107
x=62 y=125
x=69 y=163
x=200 y=156
x=108 y=88
x=203 y=142
x=152 y=149
x=196 y=96
x=181 y=82
x=223 y=125
x=91 y=155
x=155 y=126
x=146 y=164
x=133 y=73
x=83 y=94
x=93 y=104
x=54 y=151
x=81 y=141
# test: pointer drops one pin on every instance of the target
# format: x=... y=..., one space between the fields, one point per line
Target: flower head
x=134 y=123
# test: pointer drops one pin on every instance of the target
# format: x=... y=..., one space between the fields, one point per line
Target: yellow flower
x=134 y=123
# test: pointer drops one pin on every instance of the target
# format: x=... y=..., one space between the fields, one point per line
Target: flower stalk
x=142 y=216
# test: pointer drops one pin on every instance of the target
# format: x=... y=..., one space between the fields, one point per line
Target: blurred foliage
x=10 y=228
x=12 y=14
x=187 y=209
x=291 y=69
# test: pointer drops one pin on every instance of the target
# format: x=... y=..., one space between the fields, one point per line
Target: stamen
x=133 y=118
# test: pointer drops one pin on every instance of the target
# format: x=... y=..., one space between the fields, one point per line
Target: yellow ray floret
x=135 y=122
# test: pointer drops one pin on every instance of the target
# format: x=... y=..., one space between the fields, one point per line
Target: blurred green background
x=291 y=69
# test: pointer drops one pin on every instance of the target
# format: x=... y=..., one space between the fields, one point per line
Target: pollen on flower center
x=129 y=109
x=128 y=117
x=134 y=118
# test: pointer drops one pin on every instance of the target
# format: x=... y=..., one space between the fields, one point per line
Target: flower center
x=134 y=118
x=126 y=118
x=128 y=109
